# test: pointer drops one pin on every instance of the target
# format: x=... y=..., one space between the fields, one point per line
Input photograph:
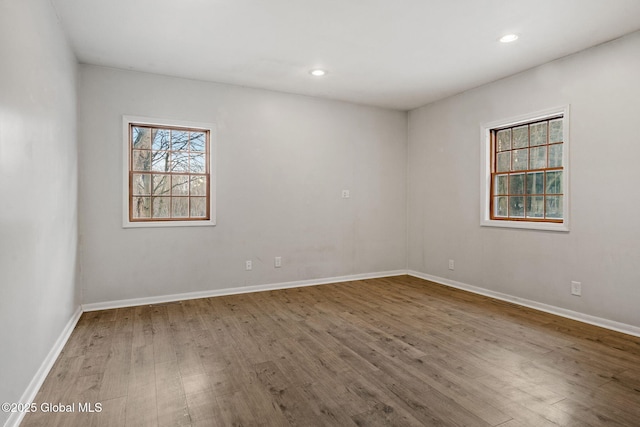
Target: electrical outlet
x=248 y=265
x=345 y=194
x=576 y=288
x=451 y=265
x=277 y=262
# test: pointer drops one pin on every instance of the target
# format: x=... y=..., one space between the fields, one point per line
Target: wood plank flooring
x=397 y=351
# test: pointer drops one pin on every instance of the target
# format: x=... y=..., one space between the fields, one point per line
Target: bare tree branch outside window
x=169 y=173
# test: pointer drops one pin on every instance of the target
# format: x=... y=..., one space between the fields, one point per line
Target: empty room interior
x=282 y=212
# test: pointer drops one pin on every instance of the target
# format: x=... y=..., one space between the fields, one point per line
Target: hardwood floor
x=398 y=351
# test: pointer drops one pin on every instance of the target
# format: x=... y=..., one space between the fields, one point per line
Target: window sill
x=162 y=224
x=545 y=226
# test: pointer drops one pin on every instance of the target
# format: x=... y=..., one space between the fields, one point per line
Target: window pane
x=516 y=184
x=501 y=206
x=179 y=140
x=180 y=185
x=180 y=207
x=198 y=185
x=516 y=206
x=140 y=207
x=554 y=182
x=535 y=207
x=160 y=161
x=521 y=137
x=554 y=206
x=504 y=162
x=179 y=161
x=501 y=184
x=141 y=137
x=141 y=160
x=555 y=131
x=555 y=155
x=538 y=133
x=520 y=160
x=198 y=206
x=198 y=140
x=197 y=163
x=535 y=183
x=539 y=157
x=161 y=185
x=141 y=184
x=504 y=140
x=161 y=207
x=161 y=139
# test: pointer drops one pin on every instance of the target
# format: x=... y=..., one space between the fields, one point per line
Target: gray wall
x=38 y=190
x=602 y=249
x=282 y=161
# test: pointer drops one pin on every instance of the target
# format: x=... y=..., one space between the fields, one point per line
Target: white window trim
x=485 y=171
x=126 y=121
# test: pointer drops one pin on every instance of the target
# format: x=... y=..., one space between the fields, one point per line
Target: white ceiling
x=391 y=53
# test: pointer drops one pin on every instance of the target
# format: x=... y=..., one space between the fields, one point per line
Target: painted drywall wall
x=38 y=190
x=282 y=163
x=601 y=250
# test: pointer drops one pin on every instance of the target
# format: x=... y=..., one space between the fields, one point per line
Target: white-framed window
x=525 y=171
x=169 y=173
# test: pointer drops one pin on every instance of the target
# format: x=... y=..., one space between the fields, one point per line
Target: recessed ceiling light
x=508 y=38
x=317 y=72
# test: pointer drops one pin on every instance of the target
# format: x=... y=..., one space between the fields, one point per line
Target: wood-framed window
x=525 y=173
x=526 y=176
x=169 y=173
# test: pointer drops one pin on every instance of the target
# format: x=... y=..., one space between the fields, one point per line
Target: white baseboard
x=581 y=317
x=29 y=394
x=234 y=291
